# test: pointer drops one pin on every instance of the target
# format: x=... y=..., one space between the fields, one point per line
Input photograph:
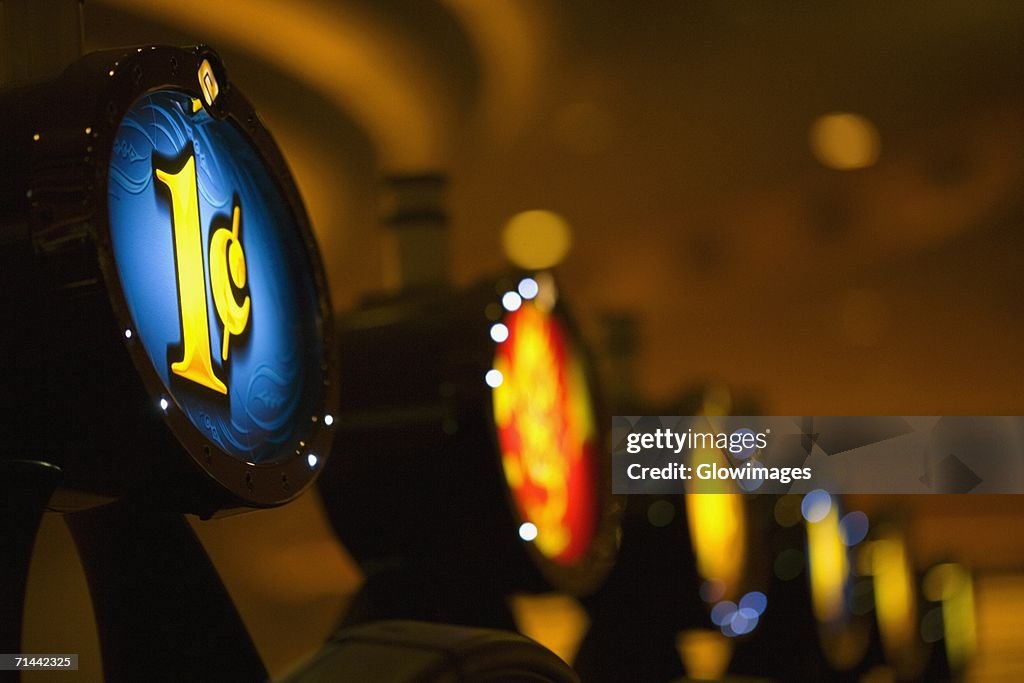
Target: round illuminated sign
x=161 y=272
x=471 y=432
x=547 y=432
x=217 y=285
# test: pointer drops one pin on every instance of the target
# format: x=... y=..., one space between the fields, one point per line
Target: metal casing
x=80 y=392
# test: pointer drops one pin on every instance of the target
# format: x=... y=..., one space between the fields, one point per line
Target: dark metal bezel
x=135 y=73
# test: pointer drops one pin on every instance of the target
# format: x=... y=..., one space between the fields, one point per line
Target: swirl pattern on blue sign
x=239 y=308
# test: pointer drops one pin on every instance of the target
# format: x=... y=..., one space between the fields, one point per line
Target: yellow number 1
x=196 y=363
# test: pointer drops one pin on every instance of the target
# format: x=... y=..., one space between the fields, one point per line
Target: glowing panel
x=215 y=276
x=895 y=599
x=828 y=566
x=844 y=638
x=951 y=584
x=547 y=433
x=718 y=534
x=716 y=516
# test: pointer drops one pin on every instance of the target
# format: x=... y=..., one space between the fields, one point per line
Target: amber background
x=673 y=136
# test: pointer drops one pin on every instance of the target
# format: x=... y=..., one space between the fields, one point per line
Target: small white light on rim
x=511 y=301
x=499 y=332
x=528 y=288
x=494 y=378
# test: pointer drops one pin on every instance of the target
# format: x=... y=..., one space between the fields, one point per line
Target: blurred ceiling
x=674 y=138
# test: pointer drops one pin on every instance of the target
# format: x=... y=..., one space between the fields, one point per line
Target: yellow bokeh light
x=951 y=585
x=536 y=239
x=716 y=517
x=895 y=600
x=556 y=621
x=845 y=141
x=717 y=529
x=705 y=654
x=717 y=523
x=787 y=510
x=829 y=570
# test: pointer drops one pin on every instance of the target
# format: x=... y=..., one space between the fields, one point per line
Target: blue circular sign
x=215 y=276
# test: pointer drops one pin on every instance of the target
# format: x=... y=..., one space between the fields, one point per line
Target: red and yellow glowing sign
x=547 y=433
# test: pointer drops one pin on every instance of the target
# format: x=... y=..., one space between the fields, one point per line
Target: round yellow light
x=845 y=141
x=536 y=239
